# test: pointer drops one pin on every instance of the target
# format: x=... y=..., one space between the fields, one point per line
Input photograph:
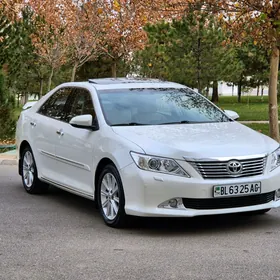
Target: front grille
x=228 y=202
x=218 y=169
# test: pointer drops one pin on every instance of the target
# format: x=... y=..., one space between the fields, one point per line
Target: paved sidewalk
x=248 y=122
x=8 y=158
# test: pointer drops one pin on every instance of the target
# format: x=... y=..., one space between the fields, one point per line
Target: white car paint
x=28 y=105
x=215 y=140
x=144 y=190
x=232 y=114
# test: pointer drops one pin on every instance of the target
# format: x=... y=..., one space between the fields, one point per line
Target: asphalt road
x=61 y=236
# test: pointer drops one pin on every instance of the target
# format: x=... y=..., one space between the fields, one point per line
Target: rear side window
x=54 y=106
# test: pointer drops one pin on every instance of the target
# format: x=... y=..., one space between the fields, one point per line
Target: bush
x=7 y=124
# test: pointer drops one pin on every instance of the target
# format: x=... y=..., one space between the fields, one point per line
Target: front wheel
x=110 y=197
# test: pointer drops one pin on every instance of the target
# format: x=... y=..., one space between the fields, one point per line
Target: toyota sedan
x=146 y=148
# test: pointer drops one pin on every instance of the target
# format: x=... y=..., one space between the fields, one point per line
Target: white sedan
x=146 y=148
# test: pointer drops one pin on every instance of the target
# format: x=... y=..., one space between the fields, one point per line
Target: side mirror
x=233 y=115
x=84 y=121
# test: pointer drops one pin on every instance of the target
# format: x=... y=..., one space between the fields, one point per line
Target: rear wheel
x=110 y=197
x=29 y=173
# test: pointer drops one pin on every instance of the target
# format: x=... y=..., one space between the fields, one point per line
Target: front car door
x=74 y=150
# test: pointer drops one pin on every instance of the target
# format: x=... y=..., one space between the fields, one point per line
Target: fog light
x=277 y=194
x=173 y=203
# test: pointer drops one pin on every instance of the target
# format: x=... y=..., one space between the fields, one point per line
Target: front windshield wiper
x=129 y=124
x=179 y=122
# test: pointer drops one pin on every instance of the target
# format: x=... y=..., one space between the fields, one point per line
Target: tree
x=124 y=21
x=189 y=51
x=258 y=20
x=84 y=32
x=49 y=40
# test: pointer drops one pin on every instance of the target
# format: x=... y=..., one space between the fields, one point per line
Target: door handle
x=33 y=124
x=60 y=132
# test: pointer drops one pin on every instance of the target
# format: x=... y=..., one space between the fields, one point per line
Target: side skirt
x=67 y=188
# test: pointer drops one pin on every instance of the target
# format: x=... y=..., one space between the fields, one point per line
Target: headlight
x=275 y=159
x=158 y=164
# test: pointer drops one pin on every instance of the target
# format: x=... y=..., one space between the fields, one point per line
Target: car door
x=74 y=150
x=44 y=133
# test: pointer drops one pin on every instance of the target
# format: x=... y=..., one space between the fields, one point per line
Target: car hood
x=204 y=140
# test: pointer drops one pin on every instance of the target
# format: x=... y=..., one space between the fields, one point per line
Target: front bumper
x=145 y=191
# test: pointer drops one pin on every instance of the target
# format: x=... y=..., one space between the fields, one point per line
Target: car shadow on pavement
x=169 y=226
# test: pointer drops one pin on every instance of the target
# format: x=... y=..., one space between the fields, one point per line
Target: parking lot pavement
x=61 y=236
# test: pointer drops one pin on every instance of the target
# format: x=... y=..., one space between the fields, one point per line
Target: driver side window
x=82 y=104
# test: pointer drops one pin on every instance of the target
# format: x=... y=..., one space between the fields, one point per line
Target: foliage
x=47 y=42
x=188 y=51
x=7 y=123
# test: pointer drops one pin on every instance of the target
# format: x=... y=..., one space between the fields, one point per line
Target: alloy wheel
x=109 y=196
x=28 y=169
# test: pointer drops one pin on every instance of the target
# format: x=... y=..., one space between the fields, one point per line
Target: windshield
x=156 y=106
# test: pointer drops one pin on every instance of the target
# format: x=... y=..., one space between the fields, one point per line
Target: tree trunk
x=18 y=99
x=258 y=90
x=262 y=90
x=25 y=97
x=215 y=94
x=50 y=80
x=207 y=91
x=272 y=93
x=114 y=69
x=74 y=70
x=41 y=88
x=239 y=90
x=199 y=65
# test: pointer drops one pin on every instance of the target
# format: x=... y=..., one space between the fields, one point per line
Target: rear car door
x=74 y=150
x=45 y=136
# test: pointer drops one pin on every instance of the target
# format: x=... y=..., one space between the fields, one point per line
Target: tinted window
x=157 y=106
x=54 y=106
x=81 y=104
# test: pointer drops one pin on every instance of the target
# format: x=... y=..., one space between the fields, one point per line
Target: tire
x=30 y=180
x=110 y=197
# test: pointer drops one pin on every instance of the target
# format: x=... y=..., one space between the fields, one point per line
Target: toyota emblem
x=234 y=167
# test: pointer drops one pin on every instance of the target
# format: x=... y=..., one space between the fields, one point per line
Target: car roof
x=113 y=83
x=124 y=83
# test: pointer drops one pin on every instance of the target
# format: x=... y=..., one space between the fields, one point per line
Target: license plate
x=237 y=189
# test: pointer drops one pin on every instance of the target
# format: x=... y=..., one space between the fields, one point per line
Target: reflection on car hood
x=204 y=140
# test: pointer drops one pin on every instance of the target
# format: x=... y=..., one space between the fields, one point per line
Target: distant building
x=225 y=90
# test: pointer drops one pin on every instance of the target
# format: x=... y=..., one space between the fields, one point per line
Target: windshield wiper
x=180 y=122
x=129 y=124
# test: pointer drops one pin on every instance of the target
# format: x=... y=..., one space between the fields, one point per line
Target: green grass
x=263 y=128
x=16 y=113
x=251 y=108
